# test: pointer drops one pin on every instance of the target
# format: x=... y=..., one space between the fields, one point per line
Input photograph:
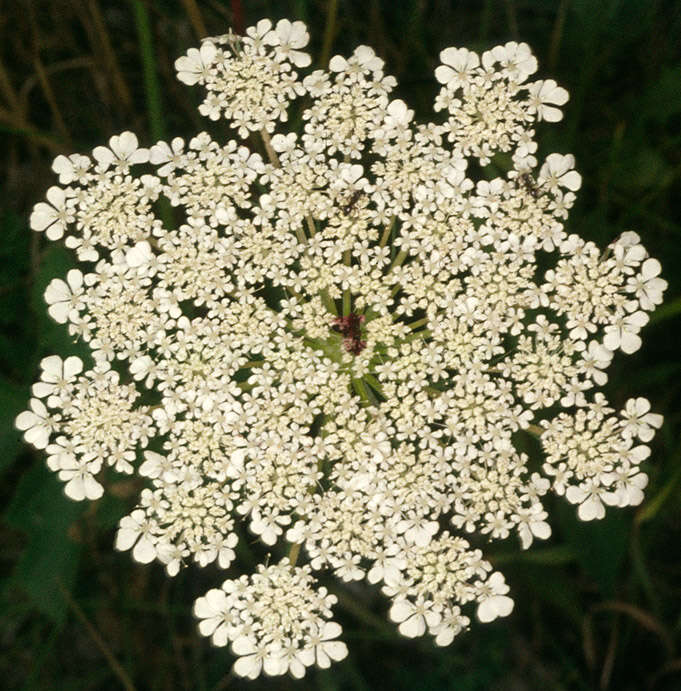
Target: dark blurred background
x=598 y=606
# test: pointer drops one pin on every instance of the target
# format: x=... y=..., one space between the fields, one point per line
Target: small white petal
x=336 y=650
x=591 y=509
x=139 y=255
x=413 y=627
x=72 y=366
x=249 y=667
x=144 y=551
x=125 y=538
x=57 y=291
x=244 y=646
x=493 y=607
x=401 y=610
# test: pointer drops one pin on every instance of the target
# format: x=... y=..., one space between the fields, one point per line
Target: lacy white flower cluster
x=337 y=343
x=276 y=620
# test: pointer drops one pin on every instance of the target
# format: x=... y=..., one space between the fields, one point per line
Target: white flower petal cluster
x=85 y=422
x=249 y=79
x=339 y=343
x=593 y=456
x=276 y=620
x=490 y=105
x=433 y=577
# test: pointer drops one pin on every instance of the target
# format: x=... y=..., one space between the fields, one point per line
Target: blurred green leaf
x=668 y=310
x=662 y=96
x=40 y=509
x=110 y=510
x=600 y=546
x=549 y=585
x=12 y=401
x=652 y=505
x=551 y=556
x=50 y=559
x=643 y=167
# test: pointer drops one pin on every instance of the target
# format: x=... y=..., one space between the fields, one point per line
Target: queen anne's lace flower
x=276 y=621
x=339 y=345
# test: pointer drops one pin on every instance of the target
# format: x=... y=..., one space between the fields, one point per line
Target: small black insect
x=529 y=184
x=351 y=202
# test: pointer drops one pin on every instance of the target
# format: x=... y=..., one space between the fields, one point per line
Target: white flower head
x=558 y=171
x=73 y=168
x=638 y=421
x=648 y=287
x=623 y=334
x=276 y=621
x=65 y=297
x=516 y=58
x=399 y=116
x=135 y=532
x=80 y=480
x=139 y=256
x=337 y=343
x=363 y=59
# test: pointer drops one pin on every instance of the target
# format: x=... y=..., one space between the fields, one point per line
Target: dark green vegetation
x=598 y=606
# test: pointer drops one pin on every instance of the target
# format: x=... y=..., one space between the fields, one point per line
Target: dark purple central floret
x=351 y=328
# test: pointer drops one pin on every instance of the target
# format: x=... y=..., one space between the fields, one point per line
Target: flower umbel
x=341 y=339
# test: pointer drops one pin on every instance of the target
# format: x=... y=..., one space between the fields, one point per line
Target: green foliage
x=599 y=546
x=49 y=563
x=11 y=403
x=596 y=607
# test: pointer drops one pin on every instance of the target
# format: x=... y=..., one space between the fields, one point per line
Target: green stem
x=362 y=391
x=418 y=323
x=374 y=383
x=152 y=89
x=329 y=32
x=98 y=640
x=310 y=225
x=535 y=430
x=399 y=259
x=347 y=299
x=328 y=302
x=294 y=552
x=425 y=333
x=152 y=92
x=387 y=231
x=271 y=153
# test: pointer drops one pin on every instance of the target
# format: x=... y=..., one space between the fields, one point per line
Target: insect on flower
x=529 y=184
x=351 y=203
x=350 y=327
